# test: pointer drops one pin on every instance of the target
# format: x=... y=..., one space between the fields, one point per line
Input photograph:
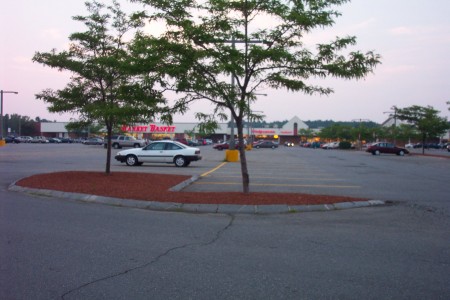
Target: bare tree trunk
x=108 y=149
x=243 y=158
x=423 y=143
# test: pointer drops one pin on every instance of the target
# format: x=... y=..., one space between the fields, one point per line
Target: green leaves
x=107 y=86
x=425 y=119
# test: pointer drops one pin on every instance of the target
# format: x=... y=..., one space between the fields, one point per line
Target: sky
x=412 y=37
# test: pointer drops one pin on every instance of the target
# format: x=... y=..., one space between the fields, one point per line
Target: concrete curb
x=195 y=208
x=184 y=184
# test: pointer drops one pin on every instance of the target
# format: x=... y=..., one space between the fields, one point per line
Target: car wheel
x=377 y=152
x=401 y=153
x=273 y=147
x=136 y=146
x=131 y=160
x=180 y=161
x=116 y=146
x=257 y=147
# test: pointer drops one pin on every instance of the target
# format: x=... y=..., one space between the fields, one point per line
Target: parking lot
x=286 y=169
x=55 y=248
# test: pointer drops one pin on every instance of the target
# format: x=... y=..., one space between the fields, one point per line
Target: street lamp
x=249 y=115
x=1 y=110
x=250 y=126
x=395 y=122
x=359 y=133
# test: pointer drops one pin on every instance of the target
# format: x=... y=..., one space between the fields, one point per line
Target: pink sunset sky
x=413 y=38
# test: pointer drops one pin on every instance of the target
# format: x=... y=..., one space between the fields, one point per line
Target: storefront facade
x=158 y=131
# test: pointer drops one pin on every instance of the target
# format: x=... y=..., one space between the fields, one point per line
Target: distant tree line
x=316 y=124
x=17 y=125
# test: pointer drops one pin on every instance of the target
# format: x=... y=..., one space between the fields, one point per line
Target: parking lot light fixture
x=1 y=112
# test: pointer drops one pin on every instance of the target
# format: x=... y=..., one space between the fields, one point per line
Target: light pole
x=1 y=111
x=395 y=122
x=250 y=125
x=359 y=133
x=249 y=116
x=233 y=42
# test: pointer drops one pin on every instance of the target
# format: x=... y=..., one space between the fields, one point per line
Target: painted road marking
x=284 y=178
x=213 y=170
x=282 y=184
x=208 y=174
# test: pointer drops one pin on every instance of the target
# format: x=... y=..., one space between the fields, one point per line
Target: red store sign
x=152 y=128
x=260 y=131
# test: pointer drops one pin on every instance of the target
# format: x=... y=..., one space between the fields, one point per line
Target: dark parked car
x=12 y=139
x=378 y=148
x=192 y=143
x=289 y=144
x=66 y=140
x=54 y=140
x=183 y=141
x=266 y=144
x=93 y=141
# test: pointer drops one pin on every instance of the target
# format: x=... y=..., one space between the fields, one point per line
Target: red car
x=226 y=145
x=378 y=148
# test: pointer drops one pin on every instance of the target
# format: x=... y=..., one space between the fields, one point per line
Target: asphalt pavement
x=54 y=248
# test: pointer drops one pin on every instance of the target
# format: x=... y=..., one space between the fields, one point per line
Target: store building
x=157 y=131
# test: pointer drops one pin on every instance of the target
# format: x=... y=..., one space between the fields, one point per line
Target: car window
x=155 y=146
x=170 y=146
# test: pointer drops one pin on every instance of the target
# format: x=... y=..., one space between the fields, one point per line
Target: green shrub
x=345 y=145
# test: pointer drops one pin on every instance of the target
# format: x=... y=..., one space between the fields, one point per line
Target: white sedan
x=332 y=145
x=160 y=152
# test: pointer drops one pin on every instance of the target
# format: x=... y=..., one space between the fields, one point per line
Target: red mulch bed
x=155 y=187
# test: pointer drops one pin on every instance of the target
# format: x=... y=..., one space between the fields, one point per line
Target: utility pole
x=395 y=122
x=246 y=42
x=233 y=84
x=359 y=133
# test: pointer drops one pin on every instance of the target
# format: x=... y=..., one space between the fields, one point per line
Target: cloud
x=364 y=24
x=400 y=69
x=51 y=33
x=402 y=31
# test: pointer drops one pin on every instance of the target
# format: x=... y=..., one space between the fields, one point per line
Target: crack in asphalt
x=156 y=259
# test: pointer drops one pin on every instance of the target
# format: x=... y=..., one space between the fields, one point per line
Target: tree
x=85 y=128
x=406 y=132
x=106 y=87
x=307 y=133
x=425 y=120
x=20 y=125
x=258 y=43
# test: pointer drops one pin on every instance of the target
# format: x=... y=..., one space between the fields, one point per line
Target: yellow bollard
x=232 y=155
x=2 y=143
